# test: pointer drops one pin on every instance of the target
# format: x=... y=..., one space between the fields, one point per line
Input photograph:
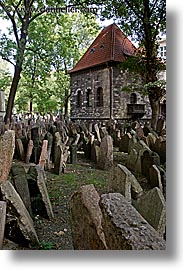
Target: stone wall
x=91 y=79
x=114 y=106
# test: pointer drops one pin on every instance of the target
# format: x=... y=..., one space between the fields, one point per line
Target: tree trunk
x=155 y=107
x=66 y=103
x=12 y=93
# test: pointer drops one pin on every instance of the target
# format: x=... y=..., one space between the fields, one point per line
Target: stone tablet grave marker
x=121 y=180
x=152 y=207
x=25 y=222
x=106 y=153
x=125 y=228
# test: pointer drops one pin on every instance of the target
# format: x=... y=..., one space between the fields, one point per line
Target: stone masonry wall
x=91 y=79
x=107 y=78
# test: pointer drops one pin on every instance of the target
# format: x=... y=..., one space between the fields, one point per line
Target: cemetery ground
x=56 y=233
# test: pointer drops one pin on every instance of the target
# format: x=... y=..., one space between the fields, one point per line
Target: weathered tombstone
x=125 y=228
x=41 y=178
x=121 y=180
x=86 y=215
x=152 y=207
x=36 y=148
x=140 y=147
x=7 y=147
x=155 y=177
x=117 y=138
x=147 y=160
x=21 y=184
x=95 y=149
x=132 y=159
x=160 y=148
x=2 y=221
x=103 y=132
x=150 y=140
x=106 y=153
x=24 y=220
x=124 y=143
x=131 y=144
x=29 y=151
x=97 y=132
x=49 y=137
x=43 y=156
x=73 y=155
x=58 y=163
x=139 y=130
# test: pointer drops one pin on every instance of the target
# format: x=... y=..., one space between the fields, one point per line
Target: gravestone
x=125 y=228
x=147 y=160
x=7 y=147
x=20 y=149
x=150 y=140
x=95 y=149
x=73 y=155
x=155 y=177
x=2 y=221
x=19 y=177
x=132 y=142
x=24 y=220
x=41 y=182
x=35 y=139
x=44 y=156
x=124 y=143
x=29 y=151
x=106 y=153
x=59 y=160
x=87 y=232
x=152 y=207
x=132 y=159
x=97 y=132
x=121 y=180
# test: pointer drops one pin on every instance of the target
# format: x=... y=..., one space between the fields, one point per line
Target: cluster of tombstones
x=53 y=143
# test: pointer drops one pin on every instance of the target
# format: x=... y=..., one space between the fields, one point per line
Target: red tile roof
x=110 y=45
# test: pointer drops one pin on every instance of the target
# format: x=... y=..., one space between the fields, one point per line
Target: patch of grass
x=47 y=245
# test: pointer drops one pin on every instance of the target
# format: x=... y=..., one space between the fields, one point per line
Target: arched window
x=79 y=99
x=133 y=98
x=99 y=97
x=89 y=98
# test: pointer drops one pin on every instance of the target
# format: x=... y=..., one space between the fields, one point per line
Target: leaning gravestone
x=121 y=180
x=152 y=207
x=87 y=231
x=7 y=147
x=25 y=222
x=43 y=190
x=106 y=153
x=21 y=184
x=2 y=221
x=125 y=228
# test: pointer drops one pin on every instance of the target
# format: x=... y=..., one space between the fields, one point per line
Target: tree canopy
x=44 y=46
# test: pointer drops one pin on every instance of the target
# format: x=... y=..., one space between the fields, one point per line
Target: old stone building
x=97 y=81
